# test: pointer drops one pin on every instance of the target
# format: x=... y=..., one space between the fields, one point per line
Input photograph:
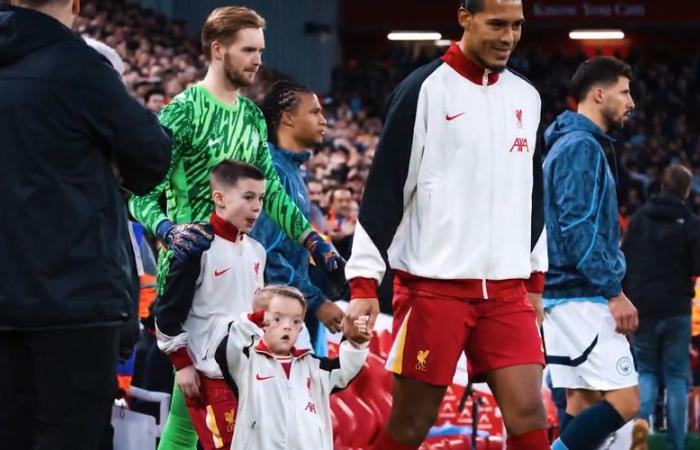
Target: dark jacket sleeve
x=538 y=234
x=172 y=308
x=131 y=135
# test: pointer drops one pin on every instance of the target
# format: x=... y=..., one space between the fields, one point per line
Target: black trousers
x=153 y=371
x=57 y=387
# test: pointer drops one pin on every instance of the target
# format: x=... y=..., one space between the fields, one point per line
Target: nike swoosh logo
x=259 y=378
x=213 y=142
x=218 y=273
x=449 y=117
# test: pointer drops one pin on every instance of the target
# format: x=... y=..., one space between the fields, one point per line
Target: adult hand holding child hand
x=362 y=333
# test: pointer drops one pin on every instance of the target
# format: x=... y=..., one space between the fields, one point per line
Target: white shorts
x=583 y=349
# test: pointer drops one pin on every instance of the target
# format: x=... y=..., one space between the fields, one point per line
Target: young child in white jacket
x=284 y=392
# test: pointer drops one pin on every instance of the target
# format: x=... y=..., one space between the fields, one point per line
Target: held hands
x=187 y=239
x=624 y=313
x=354 y=322
x=188 y=381
x=364 y=333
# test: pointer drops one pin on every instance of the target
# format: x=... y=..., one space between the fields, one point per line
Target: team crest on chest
x=519 y=118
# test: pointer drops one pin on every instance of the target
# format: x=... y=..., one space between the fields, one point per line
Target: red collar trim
x=296 y=353
x=456 y=59
x=225 y=229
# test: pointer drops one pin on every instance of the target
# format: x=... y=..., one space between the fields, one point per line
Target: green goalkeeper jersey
x=206 y=132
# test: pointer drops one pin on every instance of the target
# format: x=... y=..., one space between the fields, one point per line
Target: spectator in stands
x=257 y=357
x=295 y=123
x=318 y=203
x=154 y=100
x=341 y=219
x=67 y=276
x=662 y=247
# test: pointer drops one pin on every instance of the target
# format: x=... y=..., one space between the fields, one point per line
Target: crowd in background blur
x=162 y=61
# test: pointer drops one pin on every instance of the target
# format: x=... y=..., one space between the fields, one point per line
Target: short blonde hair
x=264 y=295
x=223 y=24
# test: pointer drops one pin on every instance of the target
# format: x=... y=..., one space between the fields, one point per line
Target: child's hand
x=188 y=381
x=364 y=334
x=267 y=320
x=260 y=303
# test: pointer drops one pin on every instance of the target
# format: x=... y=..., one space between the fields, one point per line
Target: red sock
x=532 y=440
x=386 y=442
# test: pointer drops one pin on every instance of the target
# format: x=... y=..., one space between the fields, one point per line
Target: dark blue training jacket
x=581 y=215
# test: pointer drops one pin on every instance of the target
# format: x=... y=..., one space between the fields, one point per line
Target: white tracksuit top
x=455 y=190
x=202 y=295
x=276 y=413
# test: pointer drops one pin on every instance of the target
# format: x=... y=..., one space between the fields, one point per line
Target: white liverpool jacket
x=202 y=295
x=455 y=189
x=276 y=412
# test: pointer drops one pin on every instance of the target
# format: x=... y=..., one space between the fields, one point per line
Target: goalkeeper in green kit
x=211 y=122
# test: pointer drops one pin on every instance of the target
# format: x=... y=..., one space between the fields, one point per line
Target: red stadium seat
x=370 y=388
x=347 y=418
x=367 y=431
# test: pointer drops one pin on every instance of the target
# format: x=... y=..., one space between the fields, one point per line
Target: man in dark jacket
x=662 y=247
x=66 y=278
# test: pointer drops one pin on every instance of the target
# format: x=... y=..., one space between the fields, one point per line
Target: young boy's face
x=285 y=319
x=240 y=205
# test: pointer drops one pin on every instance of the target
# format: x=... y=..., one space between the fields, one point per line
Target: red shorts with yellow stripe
x=214 y=413
x=433 y=325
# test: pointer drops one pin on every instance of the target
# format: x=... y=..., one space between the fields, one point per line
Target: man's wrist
x=535 y=284
x=163 y=227
x=180 y=358
x=363 y=288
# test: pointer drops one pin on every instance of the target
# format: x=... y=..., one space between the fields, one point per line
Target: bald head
x=64 y=11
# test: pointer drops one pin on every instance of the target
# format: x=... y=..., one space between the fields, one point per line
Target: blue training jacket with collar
x=287 y=261
x=581 y=214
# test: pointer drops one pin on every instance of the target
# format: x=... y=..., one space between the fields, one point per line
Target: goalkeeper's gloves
x=187 y=239
x=324 y=255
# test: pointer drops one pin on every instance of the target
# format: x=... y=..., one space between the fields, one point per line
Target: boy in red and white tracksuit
x=284 y=392
x=202 y=295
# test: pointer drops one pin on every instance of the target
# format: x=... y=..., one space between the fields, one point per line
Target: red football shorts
x=214 y=414
x=431 y=330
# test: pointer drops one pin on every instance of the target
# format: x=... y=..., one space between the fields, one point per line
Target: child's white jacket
x=275 y=412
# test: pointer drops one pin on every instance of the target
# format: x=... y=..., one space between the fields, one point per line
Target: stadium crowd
x=162 y=60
